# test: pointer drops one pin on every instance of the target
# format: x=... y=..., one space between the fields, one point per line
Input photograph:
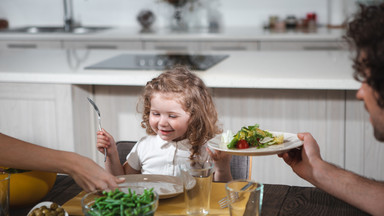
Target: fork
x=99 y=120
x=224 y=202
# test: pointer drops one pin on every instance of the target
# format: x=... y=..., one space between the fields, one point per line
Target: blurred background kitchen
x=45 y=45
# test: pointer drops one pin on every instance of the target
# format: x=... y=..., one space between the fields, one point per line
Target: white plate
x=166 y=186
x=45 y=203
x=290 y=142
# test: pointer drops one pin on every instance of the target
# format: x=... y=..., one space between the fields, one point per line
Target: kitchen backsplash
x=254 y=13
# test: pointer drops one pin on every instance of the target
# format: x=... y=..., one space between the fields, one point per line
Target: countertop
x=224 y=34
x=264 y=69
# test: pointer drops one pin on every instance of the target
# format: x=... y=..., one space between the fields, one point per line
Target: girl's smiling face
x=167 y=117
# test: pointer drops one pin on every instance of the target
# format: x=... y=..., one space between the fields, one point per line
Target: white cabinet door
x=302 y=45
x=28 y=44
x=129 y=45
x=318 y=112
x=38 y=113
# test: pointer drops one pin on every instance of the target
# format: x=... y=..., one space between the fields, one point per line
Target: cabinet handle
x=22 y=46
x=171 y=48
x=101 y=47
x=228 y=48
x=322 y=48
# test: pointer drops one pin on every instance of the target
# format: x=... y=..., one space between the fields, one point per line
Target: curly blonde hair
x=195 y=98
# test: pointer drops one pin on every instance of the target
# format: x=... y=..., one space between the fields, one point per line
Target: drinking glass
x=4 y=194
x=197 y=180
x=245 y=197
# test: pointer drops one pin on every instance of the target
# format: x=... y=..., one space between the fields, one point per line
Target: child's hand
x=222 y=163
x=220 y=159
x=105 y=140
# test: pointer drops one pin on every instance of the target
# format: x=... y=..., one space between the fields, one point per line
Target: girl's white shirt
x=153 y=155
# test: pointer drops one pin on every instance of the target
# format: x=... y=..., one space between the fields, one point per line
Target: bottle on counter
x=311 y=21
x=272 y=21
x=3 y=23
x=291 y=22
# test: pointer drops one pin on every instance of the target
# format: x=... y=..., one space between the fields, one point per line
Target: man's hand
x=305 y=159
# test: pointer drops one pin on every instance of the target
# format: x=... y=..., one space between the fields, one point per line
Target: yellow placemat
x=73 y=206
x=171 y=206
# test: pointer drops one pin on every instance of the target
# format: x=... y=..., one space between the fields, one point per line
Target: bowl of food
x=127 y=200
x=47 y=208
x=29 y=187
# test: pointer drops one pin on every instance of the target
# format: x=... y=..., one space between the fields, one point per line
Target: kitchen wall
x=253 y=13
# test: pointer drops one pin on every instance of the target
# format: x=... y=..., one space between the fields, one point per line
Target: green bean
x=119 y=203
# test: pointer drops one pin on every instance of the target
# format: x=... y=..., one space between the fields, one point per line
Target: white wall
x=253 y=13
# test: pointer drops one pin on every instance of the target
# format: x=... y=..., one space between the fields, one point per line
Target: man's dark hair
x=366 y=34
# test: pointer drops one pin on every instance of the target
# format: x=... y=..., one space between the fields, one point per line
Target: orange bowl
x=30 y=187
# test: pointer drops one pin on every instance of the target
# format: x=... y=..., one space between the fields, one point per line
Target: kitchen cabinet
x=303 y=45
x=38 y=113
x=56 y=116
x=228 y=39
x=320 y=112
x=230 y=45
x=176 y=46
x=102 y=44
x=30 y=44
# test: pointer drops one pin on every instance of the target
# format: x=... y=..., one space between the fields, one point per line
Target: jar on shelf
x=291 y=22
x=3 y=23
x=311 y=19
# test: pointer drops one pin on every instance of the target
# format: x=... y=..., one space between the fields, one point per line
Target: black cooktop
x=158 y=62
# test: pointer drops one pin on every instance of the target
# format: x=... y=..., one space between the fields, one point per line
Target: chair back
x=240 y=167
x=123 y=148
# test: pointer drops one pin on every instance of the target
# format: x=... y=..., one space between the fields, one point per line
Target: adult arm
x=358 y=191
x=22 y=155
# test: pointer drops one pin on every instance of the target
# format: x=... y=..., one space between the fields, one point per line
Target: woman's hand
x=105 y=140
x=91 y=176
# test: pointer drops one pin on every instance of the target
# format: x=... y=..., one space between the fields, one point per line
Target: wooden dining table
x=278 y=200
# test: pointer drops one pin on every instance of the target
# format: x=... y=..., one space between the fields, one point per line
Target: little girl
x=180 y=119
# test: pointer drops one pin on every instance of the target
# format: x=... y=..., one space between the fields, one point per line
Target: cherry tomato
x=242 y=144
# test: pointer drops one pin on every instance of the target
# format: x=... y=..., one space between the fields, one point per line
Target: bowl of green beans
x=123 y=201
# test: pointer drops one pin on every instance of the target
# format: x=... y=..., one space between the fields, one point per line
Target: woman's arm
x=22 y=155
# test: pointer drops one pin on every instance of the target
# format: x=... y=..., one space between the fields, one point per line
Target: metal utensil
x=99 y=119
x=224 y=202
